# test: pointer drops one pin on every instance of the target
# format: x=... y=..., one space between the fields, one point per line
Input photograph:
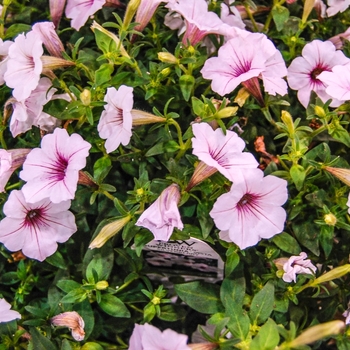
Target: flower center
x=33 y=217
x=317 y=71
x=246 y=201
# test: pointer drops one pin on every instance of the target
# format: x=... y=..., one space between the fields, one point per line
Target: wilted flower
x=297 y=265
x=163 y=215
x=80 y=10
x=252 y=209
x=199 y=21
x=52 y=171
x=35 y=227
x=149 y=337
x=73 y=321
x=243 y=59
x=6 y=314
x=221 y=152
x=10 y=160
x=304 y=72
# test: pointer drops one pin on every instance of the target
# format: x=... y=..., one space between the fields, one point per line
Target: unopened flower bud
x=142 y=118
x=201 y=172
x=101 y=285
x=50 y=63
x=330 y=219
x=203 y=346
x=56 y=10
x=73 y=321
x=341 y=173
x=85 y=97
x=319 y=111
x=335 y=273
x=164 y=72
x=109 y=231
x=167 y=57
x=130 y=12
x=287 y=120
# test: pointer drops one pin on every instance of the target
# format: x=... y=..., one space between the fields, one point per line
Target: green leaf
x=16 y=29
x=68 y=285
x=103 y=74
x=307 y=234
x=280 y=16
x=91 y=346
x=232 y=261
x=57 y=260
x=287 y=243
x=113 y=306
x=66 y=345
x=172 y=313
x=74 y=296
x=267 y=338
x=297 y=173
x=186 y=85
x=201 y=296
x=39 y=342
x=262 y=304
x=233 y=291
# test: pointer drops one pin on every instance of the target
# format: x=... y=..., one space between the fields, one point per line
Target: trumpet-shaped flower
x=35 y=227
x=52 y=171
x=4 y=49
x=6 y=314
x=335 y=6
x=163 y=215
x=223 y=152
x=145 y=11
x=304 y=72
x=80 y=11
x=297 y=264
x=10 y=160
x=116 y=120
x=73 y=321
x=242 y=59
x=251 y=210
x=199 y=21
x=24 y=65
x=149 y=337
x=231 y=16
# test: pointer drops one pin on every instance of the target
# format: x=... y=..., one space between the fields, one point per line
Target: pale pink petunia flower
x=6 y=314
x=146 y=337
x=145 y=11
x=231 y=16
x=80 y=11
x=198 y=20
x=338 y=40
x=335 y=6
x=243 y=59
x=297 y=264
x=337 y=82
x=163 y=215
x=56 y=10
x=35 y=228
x=10 y=160
x=4 y=49
x=24 y=65
x=26 y=113
x=73 y=321
x=52 y=171
x=348 y=203
x=303 y=72
x=251 y=210
x=223 y=152
x=116 y=120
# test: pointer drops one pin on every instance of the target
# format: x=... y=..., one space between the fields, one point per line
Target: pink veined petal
x=6 y=314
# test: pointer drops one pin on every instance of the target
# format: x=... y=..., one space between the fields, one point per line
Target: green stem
x=251 y=17
x=108 y=195
x=171 y=121
x=6 y=4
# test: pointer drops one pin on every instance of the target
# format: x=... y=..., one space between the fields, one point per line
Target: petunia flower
x=27 y=113
x=10 y=160
x=297 y=265
x=303 y=72
x=35 y=228
x=145 y=11
x=242 y=60
x=56 y=10
x=4 y=49
x=24 y=65
x=338 y=40
x=199 y=21
x=6 y=314
x=116 y=120
x=335 y=6
x=80 y=11
x=52 y=171
x=73 y=321
x=163 y=215
x=337 y=82
x=231 y=16
x=220 y=152
x=251 y=210
x=149 y=337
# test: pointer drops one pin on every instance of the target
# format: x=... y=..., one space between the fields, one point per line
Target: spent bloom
x=116 y=120
x=52 y=171
x=149 y=337
x=6 y=314
x=10 y=160
x=163 y=215
x=198 y=20
x=35 y=228
x=242 y=60
x=24 y=65
x=297 y=264
x=303 y=72
x=80 y=11
x=73 y=321
x=251 y=210
x=220 y=151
